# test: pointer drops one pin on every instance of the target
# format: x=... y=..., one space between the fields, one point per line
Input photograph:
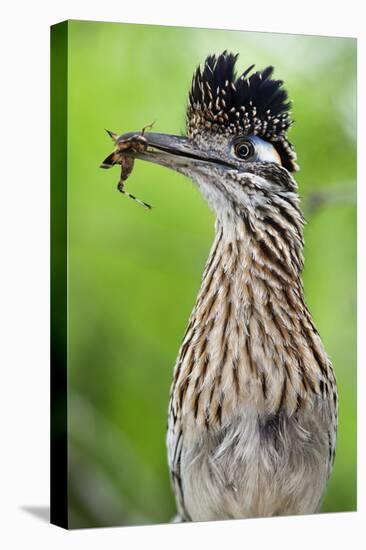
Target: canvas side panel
x=59 y=507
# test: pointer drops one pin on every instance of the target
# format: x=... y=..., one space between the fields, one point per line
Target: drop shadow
x=40 y=512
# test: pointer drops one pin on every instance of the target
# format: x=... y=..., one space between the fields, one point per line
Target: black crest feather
x=222 y=102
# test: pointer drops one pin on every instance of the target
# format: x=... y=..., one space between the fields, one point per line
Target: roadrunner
x=253 y=408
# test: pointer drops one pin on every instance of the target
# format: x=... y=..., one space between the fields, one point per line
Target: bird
x=253 y=411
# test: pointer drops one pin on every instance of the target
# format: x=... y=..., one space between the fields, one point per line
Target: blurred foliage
x=133 y=274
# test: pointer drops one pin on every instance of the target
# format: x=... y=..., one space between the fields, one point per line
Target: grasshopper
x=134 y=144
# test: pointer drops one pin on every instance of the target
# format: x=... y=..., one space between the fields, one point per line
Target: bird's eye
x=244 y=149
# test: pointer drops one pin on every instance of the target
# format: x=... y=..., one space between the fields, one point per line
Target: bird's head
x=236 y=149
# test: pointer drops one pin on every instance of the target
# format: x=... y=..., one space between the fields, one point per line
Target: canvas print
x=203 y=296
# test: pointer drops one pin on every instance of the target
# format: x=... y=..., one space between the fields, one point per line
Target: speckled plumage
x=253 y=417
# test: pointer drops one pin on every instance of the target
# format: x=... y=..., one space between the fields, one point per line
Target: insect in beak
x=134 y=144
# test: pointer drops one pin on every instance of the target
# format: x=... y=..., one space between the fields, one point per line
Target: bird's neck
x=254 y=264
x=250 y=338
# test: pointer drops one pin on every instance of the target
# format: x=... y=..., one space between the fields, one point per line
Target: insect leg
x=121 y=188
x=147 y=127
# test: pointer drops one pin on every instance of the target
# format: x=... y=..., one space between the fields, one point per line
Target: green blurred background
x=133 y=275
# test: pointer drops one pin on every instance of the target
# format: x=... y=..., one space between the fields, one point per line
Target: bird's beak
x=176 y=152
